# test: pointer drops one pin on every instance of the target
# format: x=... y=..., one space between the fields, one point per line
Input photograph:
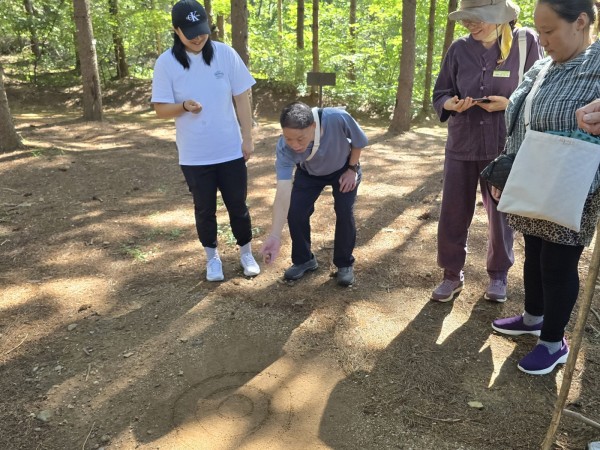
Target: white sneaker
x=251 y=268
x=214 y=270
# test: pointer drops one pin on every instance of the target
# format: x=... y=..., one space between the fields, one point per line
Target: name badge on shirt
x=502 y=73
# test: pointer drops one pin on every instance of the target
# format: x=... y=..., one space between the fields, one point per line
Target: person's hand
x=495 y=193
x=497 y=103
x=247 y=148
x=192 y=106
x=348 y=181
x=588 y=117
x=270 y=249
x=454 y=104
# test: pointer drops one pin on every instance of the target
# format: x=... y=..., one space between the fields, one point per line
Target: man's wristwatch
x=354 y=167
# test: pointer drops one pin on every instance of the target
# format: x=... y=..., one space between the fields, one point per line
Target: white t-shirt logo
x=193 y=17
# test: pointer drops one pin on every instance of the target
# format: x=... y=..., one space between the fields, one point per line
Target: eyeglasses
x=471 y=23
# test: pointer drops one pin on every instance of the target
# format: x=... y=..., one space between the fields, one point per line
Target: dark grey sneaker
x=295 y=272
x=345 y=276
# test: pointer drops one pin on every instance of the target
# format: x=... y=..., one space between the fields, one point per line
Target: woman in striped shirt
x=552 y=252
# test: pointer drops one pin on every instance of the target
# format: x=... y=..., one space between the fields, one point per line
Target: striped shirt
x=566 y=87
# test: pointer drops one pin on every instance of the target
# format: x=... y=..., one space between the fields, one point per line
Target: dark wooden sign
x=320 y=79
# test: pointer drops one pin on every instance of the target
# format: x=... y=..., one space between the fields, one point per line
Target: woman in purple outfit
x=478 y=74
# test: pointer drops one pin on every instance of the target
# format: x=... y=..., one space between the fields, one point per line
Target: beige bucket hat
x=489 y=11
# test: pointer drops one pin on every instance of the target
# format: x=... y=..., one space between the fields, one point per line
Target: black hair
x=180 y=53
x=570 y=10
x=296 y=115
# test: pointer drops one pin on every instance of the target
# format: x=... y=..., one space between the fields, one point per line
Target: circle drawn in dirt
x=232 y=406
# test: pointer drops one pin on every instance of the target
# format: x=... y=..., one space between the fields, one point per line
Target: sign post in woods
x=320 y=79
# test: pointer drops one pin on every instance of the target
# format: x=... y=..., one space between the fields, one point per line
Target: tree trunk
x=280 y=31
x=214 y=35
x=239 y=32
x=9 y=139
x=449 y=35
x=352 y=47
x=315 y=36
x=77 y=59
x=300 y=25
x=92 y=92
x=239 y=29
x=220 y=27
x=119 y=48
x=280 y=19
x=300 y=41
x=157 y=39
x=315 y=40
x=33 y=38
x=429 y=61
x=402 y=111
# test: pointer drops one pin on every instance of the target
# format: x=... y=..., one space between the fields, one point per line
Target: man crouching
x=324 y=147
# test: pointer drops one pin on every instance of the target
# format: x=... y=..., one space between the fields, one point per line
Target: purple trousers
x=458 y=206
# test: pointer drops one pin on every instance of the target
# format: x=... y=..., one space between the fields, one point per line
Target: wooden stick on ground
x=14 y=348
x=581 y=417
x=576 y=337
x=88 y=436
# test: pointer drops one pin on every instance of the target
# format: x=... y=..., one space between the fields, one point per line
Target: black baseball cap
x=190 y=16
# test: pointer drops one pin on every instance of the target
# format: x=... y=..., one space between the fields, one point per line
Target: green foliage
x=372 y=56
x=53 y=28
x=158 y=233
x=135 y=252
x=46 y=152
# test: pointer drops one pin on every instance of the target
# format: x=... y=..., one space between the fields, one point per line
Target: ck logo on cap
x=193 y=17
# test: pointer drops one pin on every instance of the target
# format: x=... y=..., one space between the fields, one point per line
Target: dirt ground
x=111 y=338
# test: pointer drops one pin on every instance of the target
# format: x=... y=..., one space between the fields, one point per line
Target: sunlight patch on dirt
x=43 y=117
x=385 y=240
x=70 y=291
x=435 y=131
x=501 y=349
x=15 y=295
x=224 y=413
x=371 y=326
x=173 y=218
x=450 y=324
x=67 y=293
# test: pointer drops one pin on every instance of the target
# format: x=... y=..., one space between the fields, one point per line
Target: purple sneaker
x=540 y=362
x=514 y=326
x=496 y=291
x=446 y=290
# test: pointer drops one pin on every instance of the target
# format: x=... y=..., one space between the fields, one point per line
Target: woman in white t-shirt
x=194 y=83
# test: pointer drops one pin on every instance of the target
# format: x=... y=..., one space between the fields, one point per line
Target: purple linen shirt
x=471 y=70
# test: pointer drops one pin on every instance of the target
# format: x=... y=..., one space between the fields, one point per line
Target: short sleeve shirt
x=339 y=134
x=212 y=136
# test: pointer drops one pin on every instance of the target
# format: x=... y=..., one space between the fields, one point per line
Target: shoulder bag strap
x=317 y=112
x=522 y=52
x=538 y=81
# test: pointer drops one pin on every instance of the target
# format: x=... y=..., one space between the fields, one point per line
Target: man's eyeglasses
x=471 y=23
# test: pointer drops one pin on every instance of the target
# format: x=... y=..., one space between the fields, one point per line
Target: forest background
x=385 y=53
x=108 y=338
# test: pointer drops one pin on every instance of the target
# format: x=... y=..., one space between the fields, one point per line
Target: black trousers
x=305 y=192
x=231 y=179
x=551 y=283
